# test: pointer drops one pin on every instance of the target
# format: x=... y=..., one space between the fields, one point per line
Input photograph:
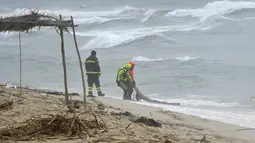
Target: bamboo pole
x=64 y=61
x=20 y=65
x=80 y=62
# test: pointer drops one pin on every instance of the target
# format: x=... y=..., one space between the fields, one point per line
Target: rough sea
x=196 y=52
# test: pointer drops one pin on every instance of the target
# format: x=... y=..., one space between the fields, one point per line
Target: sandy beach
x=110 y=120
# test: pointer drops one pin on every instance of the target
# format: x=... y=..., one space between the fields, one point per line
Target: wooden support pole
x=20 y=65
x=64 y=62
x=79 y=57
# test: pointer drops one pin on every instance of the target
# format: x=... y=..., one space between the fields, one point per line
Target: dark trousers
x=128 y=90
x=93 y=79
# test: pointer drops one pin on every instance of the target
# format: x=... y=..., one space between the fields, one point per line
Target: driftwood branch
x=80 y=62
x=203 y=139
x=128 y=126
x=95 y=116
x=41 y=127
x=64 y=62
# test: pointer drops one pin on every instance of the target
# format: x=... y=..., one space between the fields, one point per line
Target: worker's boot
x=90 y=94
x=100 y=93
x=125 y=97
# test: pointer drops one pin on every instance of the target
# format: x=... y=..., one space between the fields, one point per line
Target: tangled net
x=52 y=125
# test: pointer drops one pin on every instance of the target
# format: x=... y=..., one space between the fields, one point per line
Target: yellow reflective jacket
x=123 y=75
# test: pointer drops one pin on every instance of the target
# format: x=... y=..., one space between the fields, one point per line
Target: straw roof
x=31 y=20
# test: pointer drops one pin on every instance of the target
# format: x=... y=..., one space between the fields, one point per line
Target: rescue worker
x=133 y=77
x=125 y=81
x=93 y=72
x=132 y=69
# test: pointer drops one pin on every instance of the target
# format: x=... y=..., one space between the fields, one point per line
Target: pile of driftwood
x=54 y=125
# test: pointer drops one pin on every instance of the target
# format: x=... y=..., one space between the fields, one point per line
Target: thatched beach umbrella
x=24 y=23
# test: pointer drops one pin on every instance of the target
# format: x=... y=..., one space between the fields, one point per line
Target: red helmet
x=132 y=63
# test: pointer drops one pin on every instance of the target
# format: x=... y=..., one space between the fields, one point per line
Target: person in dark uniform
x=93 y=72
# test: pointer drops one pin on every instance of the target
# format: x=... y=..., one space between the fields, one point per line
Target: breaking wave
x=213 y=14
x=86 y=17
x=208 y=103
x=210 y=16
x=214 y=8
x=7 y=34
x=145 y=59
x=226 y=117
x=186 y=58
x=148 y=14
x=108 y=39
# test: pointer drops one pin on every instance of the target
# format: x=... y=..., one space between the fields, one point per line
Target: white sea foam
x=145 y=59
x=148 y=14
x=214 y=8
x=85 y=17
x=108 y=39
x=242 y=119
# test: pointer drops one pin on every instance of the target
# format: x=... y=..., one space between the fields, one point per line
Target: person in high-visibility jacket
x=125 y=81
x=93 y=72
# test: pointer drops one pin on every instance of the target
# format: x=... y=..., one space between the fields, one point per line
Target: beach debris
x=128 y=126
x=77 y=104
x=245 y=129
x=126 y=113
x=59 y=124
x=6 y=104
x=148 y=122
x=60 y=93
x=145 y=98
x=100 y=106
x=43 y=94
x=10 y=85
x=51 y=92
x=203 y=139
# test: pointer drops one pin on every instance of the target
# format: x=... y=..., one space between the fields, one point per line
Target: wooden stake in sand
x=79 y=57
x=20 y=65
x=64 y=62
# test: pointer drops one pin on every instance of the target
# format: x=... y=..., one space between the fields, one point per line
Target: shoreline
x=225 y=129
x=185 y=127
x=165 y=107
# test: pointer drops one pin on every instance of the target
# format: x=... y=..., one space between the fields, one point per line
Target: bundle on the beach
x=53 y=125
x=6 y=104
x=145 y=98
x=148 y=122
